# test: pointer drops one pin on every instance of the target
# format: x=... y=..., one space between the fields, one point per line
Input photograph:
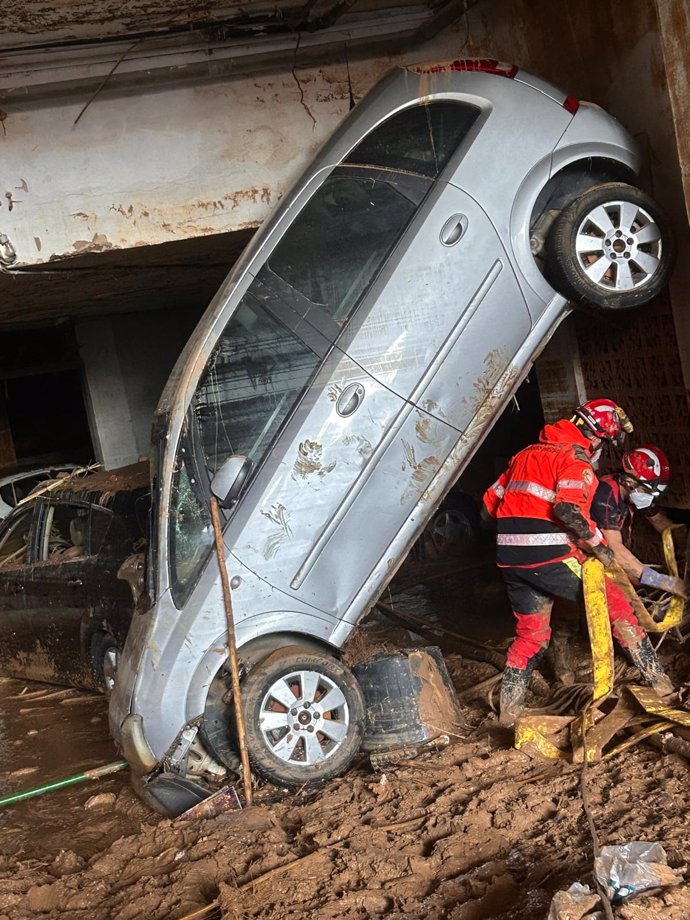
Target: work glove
x=653 y=579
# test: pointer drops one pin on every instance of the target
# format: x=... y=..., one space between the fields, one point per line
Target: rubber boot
x=645 y=660
x=513 y=691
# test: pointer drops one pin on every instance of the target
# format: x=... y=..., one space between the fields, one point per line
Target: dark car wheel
x=611 y=247
x=304 y=716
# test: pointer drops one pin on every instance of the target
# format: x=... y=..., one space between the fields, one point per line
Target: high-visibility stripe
x=570 y=484
x=532 y=539
x=532 y=488
x=497 y=489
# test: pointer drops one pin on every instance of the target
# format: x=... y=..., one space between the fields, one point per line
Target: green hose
x=83 y=777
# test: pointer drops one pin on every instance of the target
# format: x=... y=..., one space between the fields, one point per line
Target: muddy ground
x=475 y=831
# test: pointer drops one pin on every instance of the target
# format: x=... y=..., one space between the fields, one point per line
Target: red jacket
x=556 y=469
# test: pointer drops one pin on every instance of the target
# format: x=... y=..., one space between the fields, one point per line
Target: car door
x=17 y=541
x=57 y=595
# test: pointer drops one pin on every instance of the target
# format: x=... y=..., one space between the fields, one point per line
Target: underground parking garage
x=141 y=154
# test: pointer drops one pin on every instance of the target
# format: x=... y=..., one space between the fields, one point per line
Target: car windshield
x=250 y=384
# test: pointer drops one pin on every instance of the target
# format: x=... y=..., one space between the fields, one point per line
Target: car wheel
x=611 y=247
x=304 y=716
x=104 y=657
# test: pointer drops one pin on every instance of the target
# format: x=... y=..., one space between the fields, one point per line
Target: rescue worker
x=631 y=493
x=541 y=505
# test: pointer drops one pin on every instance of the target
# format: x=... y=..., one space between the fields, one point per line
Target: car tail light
x=482 y=65
x=571 y=104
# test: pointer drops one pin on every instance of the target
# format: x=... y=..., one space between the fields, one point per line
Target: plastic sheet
x=633 y=867
x=575 y=904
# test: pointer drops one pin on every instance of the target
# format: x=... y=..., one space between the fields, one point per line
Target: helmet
x=648 y=467
x=604 y=418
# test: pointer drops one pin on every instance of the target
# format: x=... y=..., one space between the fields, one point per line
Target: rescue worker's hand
x=603 y=553
x=653 y=579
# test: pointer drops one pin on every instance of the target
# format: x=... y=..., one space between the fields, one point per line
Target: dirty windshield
x=251 y=382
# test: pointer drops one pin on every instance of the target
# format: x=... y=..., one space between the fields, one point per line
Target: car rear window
x=419 y=139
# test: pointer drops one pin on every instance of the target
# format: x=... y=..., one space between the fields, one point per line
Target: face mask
x=641 y=499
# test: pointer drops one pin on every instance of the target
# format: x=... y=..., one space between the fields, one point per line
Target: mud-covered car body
x=356 y=355
x=64 y=612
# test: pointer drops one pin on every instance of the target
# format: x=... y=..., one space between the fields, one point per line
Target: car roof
x=109 y=488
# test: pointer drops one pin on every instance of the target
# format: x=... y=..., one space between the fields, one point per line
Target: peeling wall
x=171 y=162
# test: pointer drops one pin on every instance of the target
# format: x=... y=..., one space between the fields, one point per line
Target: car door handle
x=454 y=229
x=75 y=582
x=350 y=399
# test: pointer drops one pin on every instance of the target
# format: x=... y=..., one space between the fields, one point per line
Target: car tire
x=326 y=741
x=612 y=247
x=104 y=653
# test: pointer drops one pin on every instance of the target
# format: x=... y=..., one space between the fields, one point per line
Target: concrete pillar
x=127 y=359
x=674 y=34
x=107 y=406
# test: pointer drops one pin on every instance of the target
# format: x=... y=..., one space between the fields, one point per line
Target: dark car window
x=418 y=139
x=107 y=532
x=7 y=495
x=65 y=533
x=23 y=487
x=14 y=545
x=341 y=238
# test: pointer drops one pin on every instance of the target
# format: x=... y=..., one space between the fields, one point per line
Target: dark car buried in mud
x=65 y=595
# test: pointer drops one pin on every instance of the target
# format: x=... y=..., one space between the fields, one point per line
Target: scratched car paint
x=339 y=383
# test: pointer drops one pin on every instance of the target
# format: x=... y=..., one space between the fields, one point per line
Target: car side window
x=106 y=531
x=65 y=533
x=419 y=139
x=7 y=495
x=23 y=487
x=14 y=545
x=341 y=238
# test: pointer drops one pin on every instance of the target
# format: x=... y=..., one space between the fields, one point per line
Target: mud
x=473 y=832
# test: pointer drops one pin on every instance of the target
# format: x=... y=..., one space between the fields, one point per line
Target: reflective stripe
x=570 y=484
x=532 y=539
x=497 y=489
x=574 y=566
x=532 y=488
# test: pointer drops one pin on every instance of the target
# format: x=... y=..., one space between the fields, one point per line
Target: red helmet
x=648 y=466
x=604 y=418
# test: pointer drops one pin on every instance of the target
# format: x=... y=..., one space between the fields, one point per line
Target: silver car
x=339 y=383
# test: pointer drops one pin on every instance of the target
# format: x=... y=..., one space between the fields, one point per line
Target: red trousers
x=532 y=591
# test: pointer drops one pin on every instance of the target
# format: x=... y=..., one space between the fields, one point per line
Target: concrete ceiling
x=185 y=274
x=46 y=43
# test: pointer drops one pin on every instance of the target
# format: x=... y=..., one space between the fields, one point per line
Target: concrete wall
x=615 y=56
x=167 y=162
x=127 y=360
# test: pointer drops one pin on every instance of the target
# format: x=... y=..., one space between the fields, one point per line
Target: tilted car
x=64 y=612
x=339 y=383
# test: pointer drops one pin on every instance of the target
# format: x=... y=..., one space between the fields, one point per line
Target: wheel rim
x=304 y=717
x=109 y=668
x=618 y=246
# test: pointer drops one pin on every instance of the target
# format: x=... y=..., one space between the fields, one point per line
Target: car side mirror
x=228 y=482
